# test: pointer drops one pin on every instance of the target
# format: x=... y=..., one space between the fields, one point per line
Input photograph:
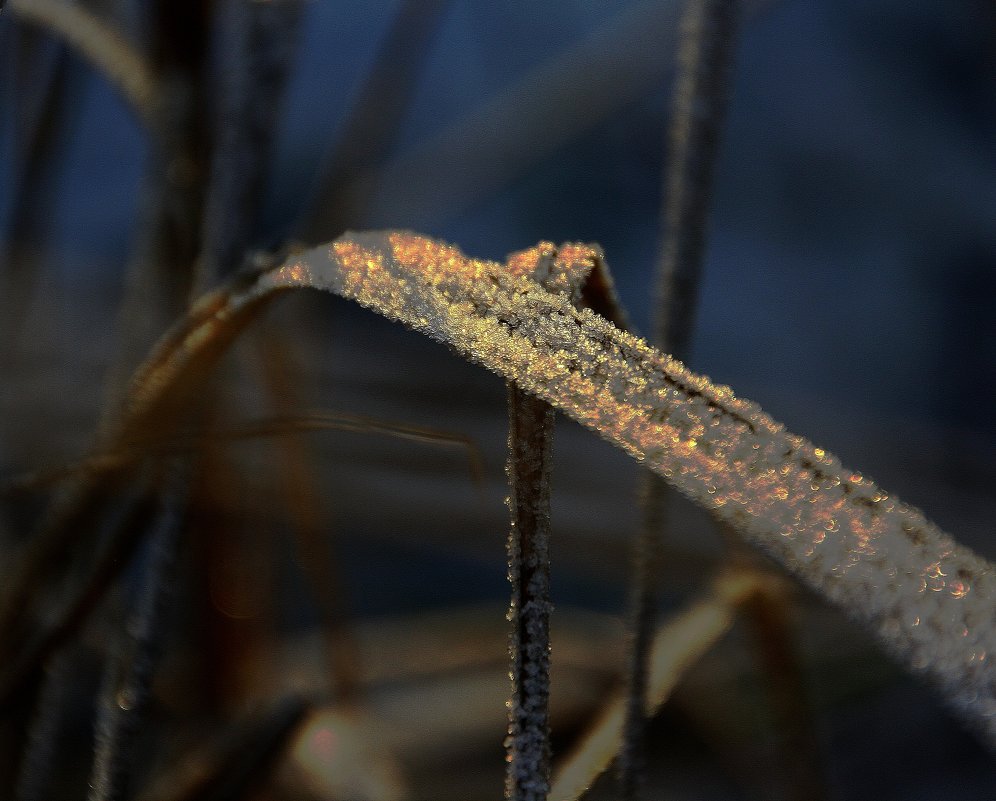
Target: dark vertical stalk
x=705 y=59
x=371 y=128
x=40 y=110
x=708 y=39
x=529 y=449
x=22 y=670
x=24 y=689
x=35 y=777
x=159 y=278
x=128 y=678
x=255 y=58
x=42 y=88
x=255 y=65
x=643 y=617
x=157 y=292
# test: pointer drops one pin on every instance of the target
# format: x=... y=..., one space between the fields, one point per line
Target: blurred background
x=849 y=287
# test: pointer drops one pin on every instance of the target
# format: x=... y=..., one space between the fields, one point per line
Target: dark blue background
x=849 y=286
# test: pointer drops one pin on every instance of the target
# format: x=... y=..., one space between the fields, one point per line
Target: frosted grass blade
x=930 y=600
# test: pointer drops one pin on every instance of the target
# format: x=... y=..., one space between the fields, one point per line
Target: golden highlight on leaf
x=929 y=599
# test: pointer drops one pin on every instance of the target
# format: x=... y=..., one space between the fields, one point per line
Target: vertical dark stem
x=27 y=658
x=128 y=680
x=42 y=89
x=255 y=58
x=160 y=273
x=258 y=46
x=529 y=449
x=708 y=38
x=705 y=57
x=643 y=612
x=40 y=713
x=371 y=128
x=255 y=67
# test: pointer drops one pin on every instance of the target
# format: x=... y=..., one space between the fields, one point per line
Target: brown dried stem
x=313 y=538
x=289 y=425
x=767 y=614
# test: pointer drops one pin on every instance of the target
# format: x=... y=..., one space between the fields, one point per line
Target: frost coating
x=930 y=600
x=530 y=445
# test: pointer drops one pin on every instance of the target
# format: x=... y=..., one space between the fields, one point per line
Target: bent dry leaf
x=684 y=639
x=929 y=599
x=100 y=44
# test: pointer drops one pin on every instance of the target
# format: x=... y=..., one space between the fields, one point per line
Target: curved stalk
x=99 y=44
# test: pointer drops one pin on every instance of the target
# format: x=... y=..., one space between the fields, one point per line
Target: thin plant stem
x=268 y=427
x=157 y=285
x=370 y=129
x=73 y=515
x=257 y=46
x=43 y=88
x=108 y=563
x=125 y=695
x=530 y=444
x=705 y=56
x=313 y=538
x=114 y=56
x=701 y=95
x=767 y=614
x=643 y=620
x=231 y=578
x=261 y=41
x=35 y=777
x=160 y=275
x=160 y=394
x=530 y=447
x=43 y=92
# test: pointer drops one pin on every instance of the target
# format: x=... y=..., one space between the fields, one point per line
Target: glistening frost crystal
x=931 y=601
